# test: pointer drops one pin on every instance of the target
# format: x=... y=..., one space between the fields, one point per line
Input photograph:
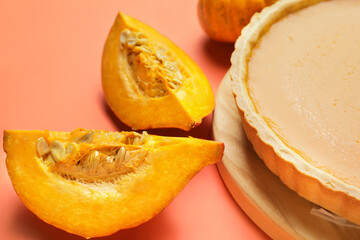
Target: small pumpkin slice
x=94 y=183
x=151 y=83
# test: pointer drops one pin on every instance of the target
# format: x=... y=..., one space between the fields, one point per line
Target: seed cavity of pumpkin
x=154 y=70
x=78 y=158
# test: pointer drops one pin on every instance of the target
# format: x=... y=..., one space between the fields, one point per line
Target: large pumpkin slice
x=93 y=183
x=151 y=83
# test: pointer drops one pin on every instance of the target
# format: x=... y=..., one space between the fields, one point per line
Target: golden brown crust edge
x=309 y=182
x=306 y=186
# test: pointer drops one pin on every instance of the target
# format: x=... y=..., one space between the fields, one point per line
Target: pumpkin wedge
x=93 y=183
x=149 y=82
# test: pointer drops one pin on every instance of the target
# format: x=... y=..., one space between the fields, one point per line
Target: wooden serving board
x=276 y=209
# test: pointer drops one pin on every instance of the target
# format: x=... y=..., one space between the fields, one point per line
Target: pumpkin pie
x=296 y=80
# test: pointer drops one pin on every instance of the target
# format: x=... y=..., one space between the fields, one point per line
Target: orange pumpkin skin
x=151 y=83
x=223 y=20
x=93 y=198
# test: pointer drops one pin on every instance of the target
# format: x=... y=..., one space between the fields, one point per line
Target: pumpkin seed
x=140 y=49
x=110 y=159
x=144 y=138
x=86 y=138
x=91 y=162
x=142 y=41
x=42 y=147
x=57 y=151
x=171 y=85
x=69 y=148
x=120 y=156
x=49 y=160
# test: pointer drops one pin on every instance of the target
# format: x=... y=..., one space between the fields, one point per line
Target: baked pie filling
x=304 y=80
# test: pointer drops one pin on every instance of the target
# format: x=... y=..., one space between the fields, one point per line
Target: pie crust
x=310 y=182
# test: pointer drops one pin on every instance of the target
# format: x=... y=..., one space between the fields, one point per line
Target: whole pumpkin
x=223 y=20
